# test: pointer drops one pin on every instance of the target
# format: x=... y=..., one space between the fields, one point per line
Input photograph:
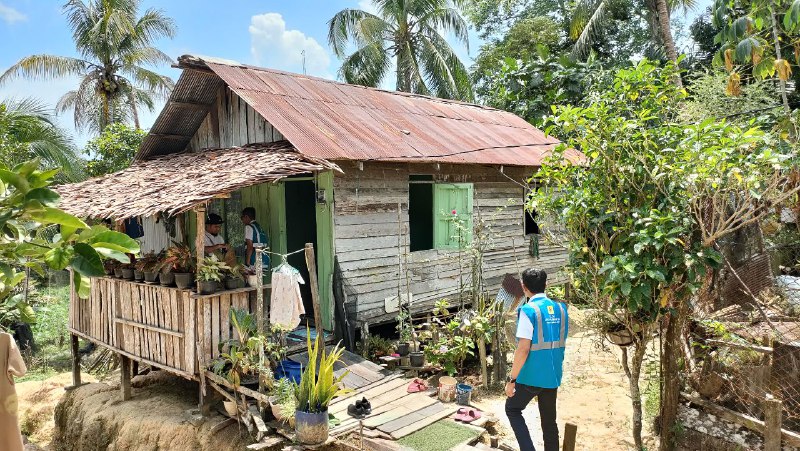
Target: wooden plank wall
x=232 y=122
x=370 y=241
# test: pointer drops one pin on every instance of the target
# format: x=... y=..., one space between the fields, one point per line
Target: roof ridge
x=222 y=62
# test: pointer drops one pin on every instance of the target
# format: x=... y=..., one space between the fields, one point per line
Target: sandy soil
x=594 y=396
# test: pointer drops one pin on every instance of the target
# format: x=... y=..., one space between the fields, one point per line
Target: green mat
x=439 y=436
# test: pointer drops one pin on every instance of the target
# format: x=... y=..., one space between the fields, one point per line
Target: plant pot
x=234 y=284
x=447 y=389
x=275 y=408
x=231 y=408
x=118 y=273
x=167 y=278
x=289 y=369
x=252 y=280
x=208 y=287
x=138 y=275
x=417 y=359
x=150 y=276
x=249 y=381
x=403 y=349
x=184 y=280
x=311 y=428
x=127 y=274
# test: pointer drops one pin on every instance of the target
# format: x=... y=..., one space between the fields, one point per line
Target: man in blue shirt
x=542 y=328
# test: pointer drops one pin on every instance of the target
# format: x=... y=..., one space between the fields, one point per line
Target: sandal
x=355 y=410
x=417 y=385
x=468 y=415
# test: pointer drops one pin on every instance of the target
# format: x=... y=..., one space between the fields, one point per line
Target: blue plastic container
x=289 y=369
x=463 y=394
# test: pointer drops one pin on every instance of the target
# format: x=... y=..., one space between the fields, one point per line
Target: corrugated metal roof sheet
x=336 y=121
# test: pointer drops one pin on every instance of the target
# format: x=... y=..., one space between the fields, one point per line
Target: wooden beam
x=311 y=262
x=746 y=347
x=243 y=390
x=76 y=361
x=148 y=327
x=125 y=377
x=772 y=423
x=789 y=438
x=570 y=433
x=192 y=105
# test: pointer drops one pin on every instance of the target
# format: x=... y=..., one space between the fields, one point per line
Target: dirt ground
x=593 y=395
x=92 y=417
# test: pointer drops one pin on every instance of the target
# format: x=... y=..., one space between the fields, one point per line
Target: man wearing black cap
x=214 y=241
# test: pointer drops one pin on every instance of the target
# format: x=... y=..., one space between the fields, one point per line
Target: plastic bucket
x=463 y=394
x=447 y=389
x=289 y=369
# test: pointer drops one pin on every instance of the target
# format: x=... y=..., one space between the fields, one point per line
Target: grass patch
x=438 y=436
x=49 y=333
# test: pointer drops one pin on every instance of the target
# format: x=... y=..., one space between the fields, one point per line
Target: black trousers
x=547 y=411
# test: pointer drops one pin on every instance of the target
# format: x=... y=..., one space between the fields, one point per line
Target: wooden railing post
x=311 y=261
x=772 y=423
x=125 y=377
x=570 y=433
x=200 y=239
x=76 y=361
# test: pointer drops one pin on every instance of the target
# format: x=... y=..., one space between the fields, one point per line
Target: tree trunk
x=634 y=370
x=673 y=351
x=775 y=39
x=666 y=35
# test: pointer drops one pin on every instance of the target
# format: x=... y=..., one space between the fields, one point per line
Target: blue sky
x=270 y=33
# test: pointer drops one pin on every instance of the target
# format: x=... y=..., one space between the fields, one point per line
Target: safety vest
x=259 y=237
x=543 y=367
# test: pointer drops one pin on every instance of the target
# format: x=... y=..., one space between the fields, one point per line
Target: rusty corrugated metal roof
x=337 y=121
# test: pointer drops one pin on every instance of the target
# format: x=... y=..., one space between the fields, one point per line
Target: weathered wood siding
x=232 y=122
x=372 y=241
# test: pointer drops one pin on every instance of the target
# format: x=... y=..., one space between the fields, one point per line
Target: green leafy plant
x=318 y=384
x=213 y=269
x=285 y=396
x=378 y=347
x=451 y=350
x=148 y=262
x=114 y=149
x=404 y=327
x=236 y=271
x=27 y=207
x=241 y=356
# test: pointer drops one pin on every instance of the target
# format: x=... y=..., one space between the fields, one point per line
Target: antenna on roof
x=303 y=52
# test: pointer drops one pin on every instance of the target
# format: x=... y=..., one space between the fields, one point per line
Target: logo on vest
x=551 y=310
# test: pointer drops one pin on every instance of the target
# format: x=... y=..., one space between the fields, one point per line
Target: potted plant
x=318 y=386
x=147 y=265
x=118 y=270
x=109 y=266
x=284 y=402
x=179 y=261
x=127 y=271
x=234 y=277
x=239 y=358
x=211 y=274
x=404 y=328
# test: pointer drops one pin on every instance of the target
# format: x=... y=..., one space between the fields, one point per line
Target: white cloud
x=272 y=45
x=368 y=6
x=11 y=15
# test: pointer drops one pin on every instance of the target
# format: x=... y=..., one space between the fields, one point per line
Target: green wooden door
x=324 y=248
x=450 y=230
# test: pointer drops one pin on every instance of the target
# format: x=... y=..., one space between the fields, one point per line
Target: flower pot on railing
x=118 y=273
x=184 y=280
x=208 y=287
x=150 y=276
x=167 y=278
x=127 y=273
x=417 y=359
x=138 y=275
x=233 y=283
x=403 y=349
x=311 y=428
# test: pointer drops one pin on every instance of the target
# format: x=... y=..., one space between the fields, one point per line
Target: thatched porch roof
x=176 y=183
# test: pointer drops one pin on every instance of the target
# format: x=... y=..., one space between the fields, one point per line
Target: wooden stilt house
x=405 y=198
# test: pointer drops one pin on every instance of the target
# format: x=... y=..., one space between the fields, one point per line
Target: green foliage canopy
x=114 y=149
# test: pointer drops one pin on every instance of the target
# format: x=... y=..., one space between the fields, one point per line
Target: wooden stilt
x=76 y=361
x=365 y=339
x=125 y=377
x=570 y=433
x=484 y=367
x=134 y=369
x=772 y=424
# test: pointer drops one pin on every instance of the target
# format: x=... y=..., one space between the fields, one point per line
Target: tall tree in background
x=113 y=150
x=28 y=131
x=115 y=47
x=408 y=34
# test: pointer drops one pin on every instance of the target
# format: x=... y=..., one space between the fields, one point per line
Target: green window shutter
x=446 y=198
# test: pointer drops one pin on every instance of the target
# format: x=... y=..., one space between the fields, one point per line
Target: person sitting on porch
x=214 y=241
x=253 y=234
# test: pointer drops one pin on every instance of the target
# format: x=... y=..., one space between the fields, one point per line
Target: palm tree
x=114 y=47
x=27 y=131
x=590 y=16
x=406 y=33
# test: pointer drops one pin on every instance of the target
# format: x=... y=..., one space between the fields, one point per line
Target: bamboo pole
x=311 y=262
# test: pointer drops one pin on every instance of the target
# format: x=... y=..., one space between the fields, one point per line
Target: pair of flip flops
x=417 y=385
x=467 y=415
x=359 y=409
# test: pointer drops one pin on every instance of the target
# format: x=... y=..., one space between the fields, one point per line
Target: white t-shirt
x=525 y=327
x=249 y=233
x=212 y=240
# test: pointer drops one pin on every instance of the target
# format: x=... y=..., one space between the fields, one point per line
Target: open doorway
x=301 y=228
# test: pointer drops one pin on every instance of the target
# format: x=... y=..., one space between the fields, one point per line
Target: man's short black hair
x=250 y=212
x=534 y=280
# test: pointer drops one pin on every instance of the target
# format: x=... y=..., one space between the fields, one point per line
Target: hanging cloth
x=286 y=302
x=12 y=365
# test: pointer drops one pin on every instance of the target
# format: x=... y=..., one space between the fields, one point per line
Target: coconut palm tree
x=114 y=47
x=27 y=131
x=408 y=34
